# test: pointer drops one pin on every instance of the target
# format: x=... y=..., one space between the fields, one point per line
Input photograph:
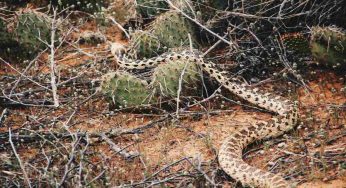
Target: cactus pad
x=169 y=30
x=144 y=45
x=9 y=46
x=125 y=90
x=90 y=6
x=330 y=57
x=328 y=45
x=150 y=8
x=33 y=29
x=334 y=37
x=172 y=30
x=166 y=79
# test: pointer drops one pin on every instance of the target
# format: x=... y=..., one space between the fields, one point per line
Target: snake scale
x=230 y=153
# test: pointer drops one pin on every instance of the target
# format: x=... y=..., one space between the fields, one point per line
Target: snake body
x=230 y=153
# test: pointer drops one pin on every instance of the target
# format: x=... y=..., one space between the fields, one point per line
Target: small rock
x=117 y=49
x=255 y=80
x=282 y=145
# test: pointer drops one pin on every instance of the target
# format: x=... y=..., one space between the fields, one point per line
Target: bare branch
x=26 y=177
x=52 y=61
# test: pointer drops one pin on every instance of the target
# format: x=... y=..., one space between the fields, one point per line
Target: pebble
x=282 y=144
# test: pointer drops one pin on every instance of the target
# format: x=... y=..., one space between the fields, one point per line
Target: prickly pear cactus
x=10 y=49
x=143 y=44
x=330 y=35
x=169 y=30
x=330 y=57
x=121 y=10
x=90 y=6
x=33 y=29
x=150 y=8
x=5 y=36
x=328 y=45
x=167 y=76
x=6 y=41
x=173 y=30
x=125 y=90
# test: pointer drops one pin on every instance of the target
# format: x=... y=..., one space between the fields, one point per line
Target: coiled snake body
x=230 y=153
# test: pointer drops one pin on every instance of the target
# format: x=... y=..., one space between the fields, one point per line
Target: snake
x=285 y=117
